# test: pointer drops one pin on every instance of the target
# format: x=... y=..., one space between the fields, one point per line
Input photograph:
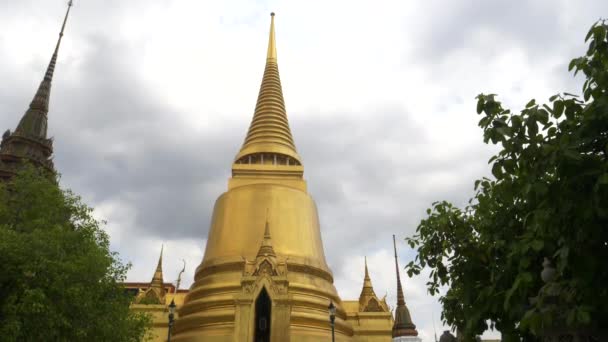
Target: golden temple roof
x=269 y=132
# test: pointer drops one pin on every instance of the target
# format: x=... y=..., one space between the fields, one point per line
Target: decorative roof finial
x=266 y=246
x=179 y=276
x=272 y=45
x=160 y=259
x=157 y=280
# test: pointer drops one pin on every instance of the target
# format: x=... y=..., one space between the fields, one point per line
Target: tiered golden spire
x=155 y=293
x=368 y=301
x=368 y=290
x=157 y=279
x=269 y=134
x=266 y=247
x=403 y=321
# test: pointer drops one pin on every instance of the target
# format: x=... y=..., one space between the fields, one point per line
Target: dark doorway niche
x=263 y=307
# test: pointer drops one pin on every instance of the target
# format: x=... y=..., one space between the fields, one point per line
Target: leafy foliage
x=548 y=198
x=59 y=282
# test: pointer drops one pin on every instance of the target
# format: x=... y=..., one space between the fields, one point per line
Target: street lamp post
x=332 y=319
x=171 y=320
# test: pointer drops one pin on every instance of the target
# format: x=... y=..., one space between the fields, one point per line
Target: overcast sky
x=152 y=99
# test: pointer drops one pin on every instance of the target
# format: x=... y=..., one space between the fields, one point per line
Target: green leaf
x=480 y=104
x=599 y=33
x=509 y=166
x=558 y=108
x=537 y=245
x=571 y=317
x=572 y=155
x=603 y=179
x=583 y=316
x=543 y=116
x=551 y=132
x=497 y=170
x=532 y=127
x=531 y=103
x=484 y=121
x=516 y=121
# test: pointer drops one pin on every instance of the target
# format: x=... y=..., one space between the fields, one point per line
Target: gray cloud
x=540 y=27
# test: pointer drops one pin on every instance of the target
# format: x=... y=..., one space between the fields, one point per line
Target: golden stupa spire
x=266 y=246
x=367 y=282
x=155 y=293
x=269 y=139
x=157 y=279
x=34 y=121
x=367 y=292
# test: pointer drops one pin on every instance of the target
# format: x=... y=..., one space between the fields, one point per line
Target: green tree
x=58 y=279
x=548 y=199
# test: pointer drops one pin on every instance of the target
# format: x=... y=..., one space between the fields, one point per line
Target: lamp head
x=172 y=307
x=332 y=309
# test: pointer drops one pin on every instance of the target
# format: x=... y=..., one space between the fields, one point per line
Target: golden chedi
x=263 y=276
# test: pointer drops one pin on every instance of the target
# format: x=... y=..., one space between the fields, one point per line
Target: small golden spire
x=156 y=291
x=266 y=246
x=272 y=45
x=367 y=292
x=157 y=279
x=367 y=281
x=366 y=272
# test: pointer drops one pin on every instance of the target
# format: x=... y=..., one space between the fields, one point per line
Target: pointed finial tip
x=272 y=14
